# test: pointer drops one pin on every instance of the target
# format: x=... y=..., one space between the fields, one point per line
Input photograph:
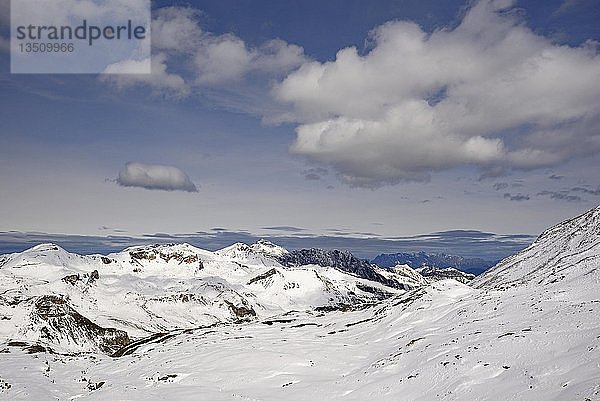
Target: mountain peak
x=268 y=248
x=43 y=254
x=46 y=247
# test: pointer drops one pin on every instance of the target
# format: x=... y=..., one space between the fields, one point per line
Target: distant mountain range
x=417 y=260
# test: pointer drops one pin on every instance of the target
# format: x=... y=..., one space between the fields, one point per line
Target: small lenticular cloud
x=155 y=176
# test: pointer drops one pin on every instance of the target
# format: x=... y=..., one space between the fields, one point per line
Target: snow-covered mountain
x=526 y=330
x=346 y=262
x=152 y=289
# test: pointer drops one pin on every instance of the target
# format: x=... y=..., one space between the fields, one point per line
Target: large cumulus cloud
x=155 y=176
x=489 y=93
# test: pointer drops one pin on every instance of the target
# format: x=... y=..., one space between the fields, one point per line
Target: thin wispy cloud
x=124 y=75
x=588 y=191
x=314 y=174
x=570 y=194
x=516 y=197
x=284 y=228
x=211 y=60
x=561 y=195
x=155 y=177
x=567 y=6
x=312 y=177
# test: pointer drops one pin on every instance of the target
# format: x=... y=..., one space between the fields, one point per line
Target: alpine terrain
x=259 y=322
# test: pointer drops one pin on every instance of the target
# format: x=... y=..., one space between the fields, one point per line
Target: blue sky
x=424 y=127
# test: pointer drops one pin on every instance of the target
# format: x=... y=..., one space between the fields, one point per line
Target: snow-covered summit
x=268 y=248
x=262 y=247
x=47 y=254
x=162 y=253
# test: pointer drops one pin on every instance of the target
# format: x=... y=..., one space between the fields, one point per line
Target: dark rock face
x=58 y=323
x=95 y=386
x=74 y=279
x=93 y=277
x=154 y=251
x=262 y=276
x=243 y=311
x=342 y=260
x=380 y=294
x=71 y=279
x=142 y=254
x=438 y=260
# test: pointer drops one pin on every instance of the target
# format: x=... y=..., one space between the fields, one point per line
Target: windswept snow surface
x=445 y=341
x=526 y=334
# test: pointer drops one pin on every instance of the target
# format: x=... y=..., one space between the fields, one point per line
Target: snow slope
x=569 y=251
x=446 y=341
x=527 y=330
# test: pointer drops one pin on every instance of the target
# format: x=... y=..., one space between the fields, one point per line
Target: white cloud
x=129 y=74
x=226 y=58
x=155 y=176
x=202 y=59
x=130 y=67
x=222 y=59
x=277 y=56
x=489 y=93
x=174 y=29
